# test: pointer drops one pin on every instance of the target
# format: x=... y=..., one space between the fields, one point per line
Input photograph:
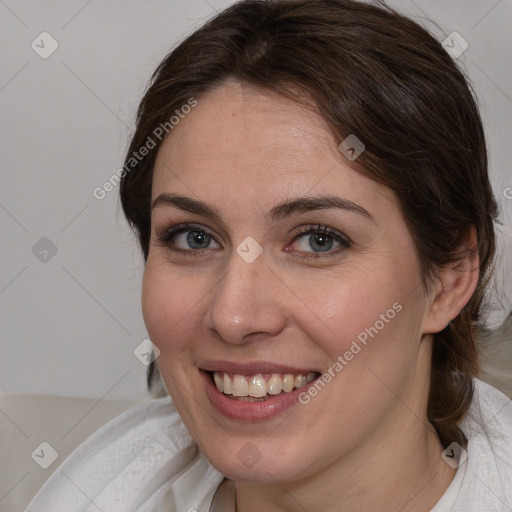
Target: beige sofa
x=26 y=421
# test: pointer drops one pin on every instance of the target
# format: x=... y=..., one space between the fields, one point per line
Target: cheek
x=155 y=304
x=168 y=306
x=355 y=304
x=367 y=322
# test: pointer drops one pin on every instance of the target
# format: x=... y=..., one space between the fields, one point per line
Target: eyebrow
x=280 y=211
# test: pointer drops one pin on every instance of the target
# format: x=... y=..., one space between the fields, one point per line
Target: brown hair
x=379 y=75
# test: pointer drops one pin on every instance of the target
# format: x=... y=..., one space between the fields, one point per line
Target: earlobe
x=455 y=287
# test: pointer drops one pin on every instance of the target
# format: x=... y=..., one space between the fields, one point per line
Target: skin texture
x=364 y=442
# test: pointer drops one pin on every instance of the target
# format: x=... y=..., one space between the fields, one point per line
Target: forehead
x=251 y=144
x=235 y=120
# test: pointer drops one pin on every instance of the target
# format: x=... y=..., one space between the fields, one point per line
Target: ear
x=454 y=288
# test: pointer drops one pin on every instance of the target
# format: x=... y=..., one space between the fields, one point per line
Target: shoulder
x=488 y=427
x=131 y=463
x=32 y=422
x=489 y=419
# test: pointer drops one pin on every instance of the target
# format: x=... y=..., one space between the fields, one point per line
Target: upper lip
x=252 y=367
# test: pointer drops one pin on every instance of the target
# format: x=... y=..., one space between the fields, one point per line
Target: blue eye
x=187 y=238
x=195 y=239
x=322 y=239
x=315 y=242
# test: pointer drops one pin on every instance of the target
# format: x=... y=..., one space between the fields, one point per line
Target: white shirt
x=145 y=461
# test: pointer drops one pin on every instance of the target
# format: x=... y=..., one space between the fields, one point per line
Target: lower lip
x=250 y=411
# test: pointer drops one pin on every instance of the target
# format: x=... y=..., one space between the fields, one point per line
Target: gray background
x=69 y=325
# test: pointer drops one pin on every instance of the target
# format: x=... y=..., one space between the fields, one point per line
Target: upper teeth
x=257 y=386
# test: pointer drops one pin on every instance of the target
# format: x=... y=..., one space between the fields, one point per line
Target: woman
x=308 y=182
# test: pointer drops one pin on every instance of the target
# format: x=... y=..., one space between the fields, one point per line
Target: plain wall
x=69 y=325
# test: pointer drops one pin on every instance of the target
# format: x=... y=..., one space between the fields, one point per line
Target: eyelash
x=166 y=237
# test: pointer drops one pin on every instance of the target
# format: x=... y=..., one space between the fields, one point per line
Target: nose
x=246 y=304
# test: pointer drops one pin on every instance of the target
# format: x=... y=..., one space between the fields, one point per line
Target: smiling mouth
x=259 y=387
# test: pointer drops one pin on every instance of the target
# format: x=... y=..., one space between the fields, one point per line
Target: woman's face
x=265 y=281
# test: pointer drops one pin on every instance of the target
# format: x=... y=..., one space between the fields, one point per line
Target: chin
x=257 y=461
